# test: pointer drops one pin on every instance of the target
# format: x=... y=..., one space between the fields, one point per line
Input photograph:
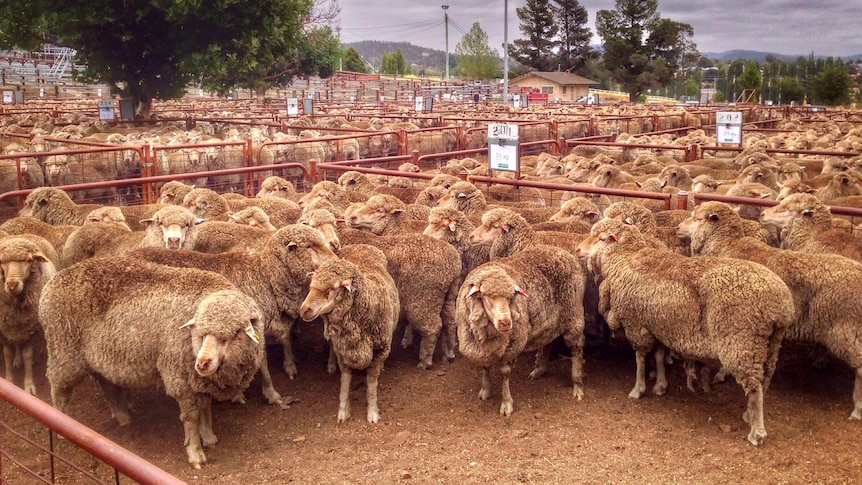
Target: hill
x=422 y=59
x=760 y=56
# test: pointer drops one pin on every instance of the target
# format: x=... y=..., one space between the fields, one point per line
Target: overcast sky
x=793 y=27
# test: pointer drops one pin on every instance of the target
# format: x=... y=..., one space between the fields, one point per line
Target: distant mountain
x=422 y=59
x=759 y=56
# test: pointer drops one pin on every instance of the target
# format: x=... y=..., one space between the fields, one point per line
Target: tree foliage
x=393 y=63
x=573 y=45
x=353 y=62
x=832 y=85
x=150 y=49
x=751 y=77
x=642 y=50
x=537 y=23
x=474 y=57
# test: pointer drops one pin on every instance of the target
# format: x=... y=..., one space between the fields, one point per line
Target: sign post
x=728 y=127
x=503 y=148
x=106 y=109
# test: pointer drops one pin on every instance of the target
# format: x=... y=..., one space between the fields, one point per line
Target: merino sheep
x=358 y=302
x=430 y=196
x=357 y=182
x=578 y=208
x=520 y=304
x=54 y=206
x=642 y=218
x=56 y=235
x=385 y=215
x=325 y=222
x=704 y=309
x=825 y=287
x=211 y=206
x=507 y=232
x=842 y=184
x=276 y=276
x=252 y=216
x=174 y=192
x=452 y=226
x=332 y=192
x=188 y=330
x=806 y=225
x=275 y=186
x=27 y=263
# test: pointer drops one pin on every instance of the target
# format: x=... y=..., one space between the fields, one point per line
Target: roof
x=562 y=78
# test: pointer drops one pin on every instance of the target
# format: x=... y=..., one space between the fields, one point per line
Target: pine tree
x=474 y=57
x=353 y=62
x=574 y=50
x=537 y=23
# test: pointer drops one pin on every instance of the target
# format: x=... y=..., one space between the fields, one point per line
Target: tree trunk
x=260 y=94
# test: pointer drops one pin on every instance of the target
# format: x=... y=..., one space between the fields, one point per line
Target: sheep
x=108 y=214
x=704 y=309
x=276 y=187
x=825 y=287
x=27 y=263
x=56 y=235
x=793 y=186
x=452 y=226
x=758 y=174
x=325 y=222
x=578 y=208
x=507 y=232
x=211 y=206
x=252 y=216
x=385 y=215
x=174 y=192
x=427 y=302
x=332 y=192
x=64 y=169
x=750 y=190
x=430 y=196
x=275 y=276
x=642 y=218
x=706 y=184
x=188 y=330
x=357 y=182
x=520 y=304
x=806 y=225
x=676 y=176
x=54 y=206
x=358 y=303
x=842 y=184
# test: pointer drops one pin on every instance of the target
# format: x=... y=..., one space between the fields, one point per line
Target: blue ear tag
x=520 y=290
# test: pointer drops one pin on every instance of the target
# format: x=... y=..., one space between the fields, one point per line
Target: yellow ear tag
x=252 y=333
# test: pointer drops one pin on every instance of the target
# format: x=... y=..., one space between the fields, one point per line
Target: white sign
x=106 y=109
x=516 y=101
x=99 y=92
x=41 y=92
x=419 y=103
x=503 y=157
x=728 y=118
x=503 y=131
x=729 y=134
x=292 y=106
x=8 y=97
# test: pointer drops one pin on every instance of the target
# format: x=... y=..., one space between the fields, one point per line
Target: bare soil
x=434 y=429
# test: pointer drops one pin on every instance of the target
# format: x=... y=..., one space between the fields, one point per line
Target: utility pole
x=505 y=52
x=446 y=22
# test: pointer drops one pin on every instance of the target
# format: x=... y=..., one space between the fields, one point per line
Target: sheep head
x=375 y=211
x=252 y=216
x=802 y=207
x=708 y=220
x=330 y=284
x=324 y=221
x=492 y=296
x=575 y=209
x=443 y=223
x=274 y=186
x=107 y=214
x=174 y=192
x=176 y=225
x=300 y=247
x=17 y=257
x=37 y=202
x=495 y=223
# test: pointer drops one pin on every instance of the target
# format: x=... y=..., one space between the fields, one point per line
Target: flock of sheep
x=185 y=293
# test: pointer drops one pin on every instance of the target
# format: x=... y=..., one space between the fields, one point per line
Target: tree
x=574 y=50
x=642 y=50
x=318 y=53
x=474 y=57
x=537 y=23
x=393 y=63
x=832 y=85
x=751 y=77
x=790 y=89
x=353 y=62
x=149 y=50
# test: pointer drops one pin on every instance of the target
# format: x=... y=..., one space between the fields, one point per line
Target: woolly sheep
x=54 y=206
x=276 y=276
x=520 y=304
x=825 y=287
x=332 y=192
x=211 y=206
x=507 y=232
x=193 y=333
x=323 y=221
x=806 y=225
x=578 y=208
x=358 y=182
x=56 y=235
x=642 y=218
x=252 y=216
x=27 y=263
x=276 y=187
x=842 y=184
x=384 y=215
x=452 y=226
x=174 y=192
x=358 y=302
x=704 y=309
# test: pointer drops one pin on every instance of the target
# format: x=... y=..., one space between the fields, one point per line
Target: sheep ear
x=718 y=182
x=663 y=183
x=291 y=246
x=188 y=324
x=199 y=220
x=712 y=217
x=640 y=185
x=252 y=333
x=142 y=221
x=396 y=211
x=629 y=221
x=40 y=258
x=473 y=290
x=610 y=237
x=452 y=227
x=44 y=201
x=591 y=215
x=233 y=218
x=765 y=195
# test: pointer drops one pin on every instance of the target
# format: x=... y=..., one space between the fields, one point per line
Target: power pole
x=505 y=52
x=446 y=22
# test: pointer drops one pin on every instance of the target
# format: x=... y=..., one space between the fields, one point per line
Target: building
x=563 y=86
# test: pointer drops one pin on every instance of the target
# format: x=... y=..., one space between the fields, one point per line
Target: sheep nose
x=173 y=242
x=13 y=287
x=504 y=324
x=336 y=246
x=204 y=367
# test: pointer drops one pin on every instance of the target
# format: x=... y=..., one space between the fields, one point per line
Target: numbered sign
x=106 y=110
x=419 y=103
x=8 y=97
x=292 y=106
x=728 y=127
x=503 y=147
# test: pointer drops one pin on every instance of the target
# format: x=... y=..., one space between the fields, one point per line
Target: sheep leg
x=755 y=415
x=116 y=398
x=704 y=380
x=272 y=396
x=575 y=342
x=371 y=378
x=190 y=415
x=426 y=349
x=640 y=375
x=407 y=340
x=29 y=384
x=690 y=367
x=344 y=394
x=720 y=376
x=289 y=359
x=541 y=363
x=857 y=396
x=8 y=356
x=332 y=363
x=508 y=405
x=485 y=390
x=208 y=436
x=660 y=377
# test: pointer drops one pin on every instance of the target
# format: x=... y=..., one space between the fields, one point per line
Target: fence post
x=403 y=144
x=312 y=171
x=249 y=178
x=148 y=168
x=681 y=200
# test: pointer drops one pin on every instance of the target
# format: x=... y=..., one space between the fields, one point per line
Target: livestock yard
x=361 y=208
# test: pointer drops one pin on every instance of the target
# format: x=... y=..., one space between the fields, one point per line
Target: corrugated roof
x=562 y=78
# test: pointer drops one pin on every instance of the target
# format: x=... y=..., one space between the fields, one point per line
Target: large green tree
x=474 y=57
x=353 y=61
x=642 y=50
x=537 y=23
x=573 y=45
x=393 y=63
x=832 y=85
x=154 y=49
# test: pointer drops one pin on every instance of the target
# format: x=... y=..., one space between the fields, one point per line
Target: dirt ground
x=434 y=429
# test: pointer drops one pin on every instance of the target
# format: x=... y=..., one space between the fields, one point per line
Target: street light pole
x=446 y=22
x=505 y=52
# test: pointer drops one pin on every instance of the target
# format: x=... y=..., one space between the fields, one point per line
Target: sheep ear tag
x=629 y=221
x=347 y=284
x=520 y=291
x=252 y=333
x=451 y=227
x=188 y=324
x=473 y=291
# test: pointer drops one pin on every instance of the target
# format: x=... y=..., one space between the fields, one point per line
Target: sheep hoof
x=196 y=466
x=123 y=419
x=343 y=416
x=720 y=376
x=756 y=438
x=484 y=394
x=423 y=365
x=856 y=414
x=29 y=388
x=636 y=393
x=659 y=390
x=450 y=355
x=578 y=393
x=745 y=417
x=506 y=408
x=373 y=417
x=239 y=398
x=272 y=396
x=331 y=368
x=538 y=372
x=290 y=370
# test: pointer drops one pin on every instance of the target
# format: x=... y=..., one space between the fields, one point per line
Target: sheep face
x=575 y=209
x=793 y=186
x=174 y=223
x=708 y=219
x=493 y=298
x=276 y=187
x=796 y=206
x=351 y=180
x=218 y=327
x=376 y=210
x=323 y=221
x=298 y=242
x=486 y=234
x=107 y=214
x=17 y=257
x=252 y=216
x=441 y=226
x=704 y=184
x=323 y=295
x=174 y=192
